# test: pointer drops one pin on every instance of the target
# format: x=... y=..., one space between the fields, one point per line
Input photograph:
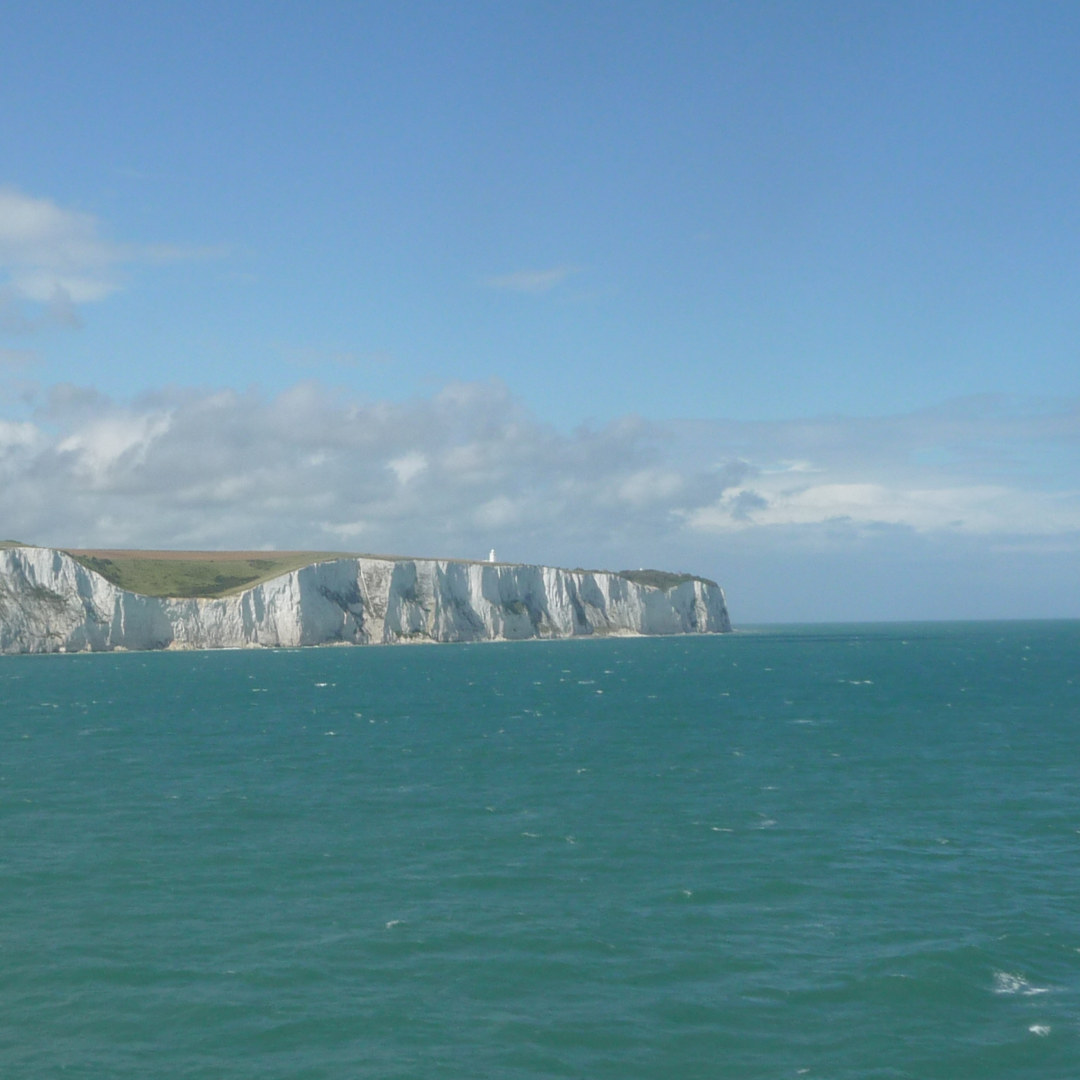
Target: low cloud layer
x=470 y=467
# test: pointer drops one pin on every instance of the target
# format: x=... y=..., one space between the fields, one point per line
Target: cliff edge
x=49 y=602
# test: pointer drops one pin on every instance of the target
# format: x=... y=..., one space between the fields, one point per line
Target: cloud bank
x=470 y=467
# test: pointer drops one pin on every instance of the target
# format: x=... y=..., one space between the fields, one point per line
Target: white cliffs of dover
x=51 y=603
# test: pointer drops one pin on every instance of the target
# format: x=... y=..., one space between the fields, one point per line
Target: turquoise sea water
x=830 y=852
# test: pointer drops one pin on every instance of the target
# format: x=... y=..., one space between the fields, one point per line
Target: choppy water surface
x=848 y=851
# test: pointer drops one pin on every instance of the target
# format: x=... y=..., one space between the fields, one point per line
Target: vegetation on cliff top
x=205 y=574
x=210 y=574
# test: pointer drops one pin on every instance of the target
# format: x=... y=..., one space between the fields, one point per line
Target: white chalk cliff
x=51 y=603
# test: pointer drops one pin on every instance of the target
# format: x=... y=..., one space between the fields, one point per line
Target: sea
x=842 y=851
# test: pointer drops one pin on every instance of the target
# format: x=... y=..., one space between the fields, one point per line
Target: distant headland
x=54 y=600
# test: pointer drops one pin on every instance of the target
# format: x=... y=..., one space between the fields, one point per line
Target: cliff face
x=51 y=603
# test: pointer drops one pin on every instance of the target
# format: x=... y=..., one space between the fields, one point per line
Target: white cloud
x=469 y=468
x=53 y=259
x=498 y=513
x=791 y=467
x=408 y=466
x=47 y=251
x=533 y=281
x=18 y=436
x=980 y=509
x=345 y=530
x=650 y=486
x=99 y=448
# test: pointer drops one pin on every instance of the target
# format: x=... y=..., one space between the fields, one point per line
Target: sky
x=782 y=294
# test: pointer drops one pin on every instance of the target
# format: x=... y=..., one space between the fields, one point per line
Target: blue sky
x=781 y=293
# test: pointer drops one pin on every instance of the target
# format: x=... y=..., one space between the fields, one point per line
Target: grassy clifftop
x=194 y=573
x=209 y=574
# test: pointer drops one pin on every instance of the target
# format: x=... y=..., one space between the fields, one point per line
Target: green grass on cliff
x=209 y=574
x=195 y=573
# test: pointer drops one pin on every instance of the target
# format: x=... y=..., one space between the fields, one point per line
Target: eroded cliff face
x=51 y=603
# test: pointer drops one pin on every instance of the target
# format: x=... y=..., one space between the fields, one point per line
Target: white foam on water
x=1006 y=982
x=394 y=922
x=1042 y=1030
